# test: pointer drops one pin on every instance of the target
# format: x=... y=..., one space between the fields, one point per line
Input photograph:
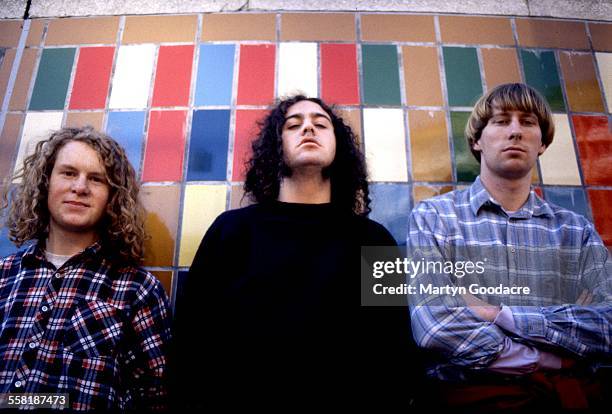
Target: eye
x=97 y=180
x=500 y=121
x=292 y=126
x=322 y=126
x=530 y=122
x=68 y=173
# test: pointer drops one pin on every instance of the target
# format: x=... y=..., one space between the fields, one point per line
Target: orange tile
x=162 y=206
x=10 y=31
x=8 y=142
x=35 y=34
x=601 y=36
x=581 y=84
x=476 y=30
x=74 y=31
x=81 y=119
x=600 y=204
x=237 y=198
x=329 y=26
x=156 y=29
x=165 y=277
x=422 y=76
x=256 y=26
x=551 y=33
x=423 y=192
x=431 y=160
x=397 y=27
x=500 y=66
x=5 y=70
x=352 y=117
x=22 y=83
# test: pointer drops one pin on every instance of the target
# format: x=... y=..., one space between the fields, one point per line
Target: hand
x=481 y=308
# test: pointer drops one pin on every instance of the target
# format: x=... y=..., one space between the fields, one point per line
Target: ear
x=542 y=149
x=476 y=146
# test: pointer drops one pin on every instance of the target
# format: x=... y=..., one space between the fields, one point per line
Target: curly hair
x=347 y=173
x=122 y=225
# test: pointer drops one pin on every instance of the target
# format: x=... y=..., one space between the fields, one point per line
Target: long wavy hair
x=347 y=173
x=121 y=229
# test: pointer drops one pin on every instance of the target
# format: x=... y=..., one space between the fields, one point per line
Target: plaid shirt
x=92 y=329
x=555 y=252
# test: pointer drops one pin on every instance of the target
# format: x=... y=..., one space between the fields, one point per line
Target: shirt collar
x=35 y=253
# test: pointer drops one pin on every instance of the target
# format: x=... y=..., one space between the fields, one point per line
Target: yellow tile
x=604 y=62
x=202 y=205
x=165 y=277
x=558 y=163
x=162 y=206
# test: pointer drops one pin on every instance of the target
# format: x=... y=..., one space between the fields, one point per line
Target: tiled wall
x=182 y=94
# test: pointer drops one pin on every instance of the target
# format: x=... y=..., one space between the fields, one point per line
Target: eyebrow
x=313 y=114
x=521 y=113
x=72 y=167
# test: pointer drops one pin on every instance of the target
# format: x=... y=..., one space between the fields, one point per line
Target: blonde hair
x=122 y=225
x=509 y=97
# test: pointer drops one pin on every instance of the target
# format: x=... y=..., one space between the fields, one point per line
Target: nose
x=308 y=127
x=516 y=129
x=80 y=185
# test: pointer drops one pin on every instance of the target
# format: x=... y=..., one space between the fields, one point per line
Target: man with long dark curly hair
x=79 y=317
x=275 y=285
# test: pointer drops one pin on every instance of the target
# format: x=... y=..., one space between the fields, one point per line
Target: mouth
x=76 y=204
x=309 y=141
x=514 y=149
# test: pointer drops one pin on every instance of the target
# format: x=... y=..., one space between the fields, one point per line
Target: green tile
x=462 y=75
x=52 y=79
x=381 y=85
x=541 y=73
x=467 y=168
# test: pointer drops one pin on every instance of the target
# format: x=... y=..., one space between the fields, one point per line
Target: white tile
x=385 y=144
x=297 y=69
x=558 y=163
x=132 y=79
x=37 y=127
x=604 y=62
x=202 y=205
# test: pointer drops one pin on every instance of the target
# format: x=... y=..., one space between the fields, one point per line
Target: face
x=510 y=144
x=308 y=137
x=78 y=190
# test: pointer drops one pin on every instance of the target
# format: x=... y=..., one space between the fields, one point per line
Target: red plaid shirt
x=93 y=329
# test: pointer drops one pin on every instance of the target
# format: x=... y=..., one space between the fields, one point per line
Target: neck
x=511 y=193
x=305 y=188
x=67 y=243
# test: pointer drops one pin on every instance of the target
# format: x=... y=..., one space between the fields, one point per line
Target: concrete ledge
x=12 y=9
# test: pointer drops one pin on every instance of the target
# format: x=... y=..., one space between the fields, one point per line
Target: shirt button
x=33 y=345
x=513 y=250
x=58 y=275
x=44 y=308
x=18 y=384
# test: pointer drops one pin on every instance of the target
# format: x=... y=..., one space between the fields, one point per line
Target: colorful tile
x=235 y=26
x=385 y=144
x=476 y=30
x=558 y=164
x=37 y=27
x=397 y=27
x=10 y=32
x=422 y=76
x=157 y=29
x=81 y=119
x=391 y=208
x=604 y=63
x=601 y=36
x=19 y=97
x=339 y=78
x=52 y=79
x=202 y=204
x=77 y=31
x=541 y=73
x=600 y=204
x=246 y=131
x=6 y=246
x=237 y=197
x=595 y=147
x=173 y=76
x=179 y=294
x=256 y=74
x=7 y=58
x=462 y=75
x=571 y=198
x=297 y=69
x=329 y=26
x=165 y=147
x=162 y=206
x=208 y=145
x=429 y=148
x=423 y=192
x=500 y=66
x=132 y=78
x=551 y=33
x=381 y=84
x=37 y=127
x=352 y=118
x=215 y=75
x=8 y=142
x=165 y=278
x=127 y=128
x=581 y=84
x=466 y=166
x=93 y=71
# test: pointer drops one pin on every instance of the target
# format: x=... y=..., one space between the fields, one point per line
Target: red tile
x=173 y=76
x=165 y=147
x=595 y=147
x=246 y=131
x=600 y=202
x=256 y=74
x=339 y=79
x=92 y=77
x=538 y=191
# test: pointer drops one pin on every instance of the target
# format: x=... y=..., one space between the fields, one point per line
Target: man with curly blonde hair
x=78 y=315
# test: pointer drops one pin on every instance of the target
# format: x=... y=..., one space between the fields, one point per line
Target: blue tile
x=215 y=75
x=127 y=128
x=572 y=199
x=6 y=246
x=391 y=207
x=208 y=145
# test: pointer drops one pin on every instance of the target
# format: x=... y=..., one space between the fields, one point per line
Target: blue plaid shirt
x=555 y=252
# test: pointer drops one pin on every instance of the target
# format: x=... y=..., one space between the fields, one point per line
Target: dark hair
x=347 y=173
